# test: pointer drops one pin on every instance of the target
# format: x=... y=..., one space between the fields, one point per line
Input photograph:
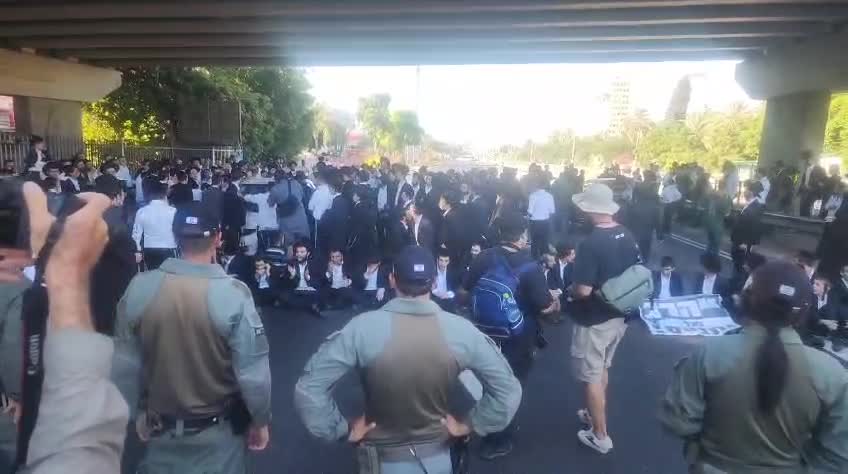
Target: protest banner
x=694 y=315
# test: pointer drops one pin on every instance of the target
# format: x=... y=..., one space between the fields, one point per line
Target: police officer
x=410 y=355
x=760 y=401
x=192 y=336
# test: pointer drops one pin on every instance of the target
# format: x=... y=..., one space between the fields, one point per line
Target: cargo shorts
x=593 y=347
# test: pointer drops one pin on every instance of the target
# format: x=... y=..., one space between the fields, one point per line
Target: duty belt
x=192 y=424
x=409 y=452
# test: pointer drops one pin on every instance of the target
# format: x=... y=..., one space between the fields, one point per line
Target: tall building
x=618 y=101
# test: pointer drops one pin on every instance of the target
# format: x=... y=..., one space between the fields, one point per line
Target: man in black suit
x=180 y=194
x=423 y=233
x=710 y=281
x=477 y=212
x=812 y=182
x=303 y=282
x=747 y=228
x=337 y=290
x=565 y=263
x=398 y=236
x=446 y=283
x=398 y=187
x=117 y=266
x=667 y=282
x=333 y=227
x=372 y=287
x=453 y=236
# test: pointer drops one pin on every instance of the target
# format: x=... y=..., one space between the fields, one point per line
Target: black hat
x=781 y=280
x=414 y=264
x=108 y=185
x=195 y=220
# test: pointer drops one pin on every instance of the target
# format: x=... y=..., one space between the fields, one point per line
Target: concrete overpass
x=791 y=48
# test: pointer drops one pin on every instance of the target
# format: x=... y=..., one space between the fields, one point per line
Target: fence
x=14 y=148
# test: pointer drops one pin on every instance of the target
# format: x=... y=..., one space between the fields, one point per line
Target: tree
x=276 y=108
x=670 y=142
x=331 y=127
x=836 y=133
x=373 y=114
x=405 y=130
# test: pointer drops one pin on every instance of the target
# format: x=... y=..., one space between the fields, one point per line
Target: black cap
x=414 y=264
x=781 y=280
x=195 y=220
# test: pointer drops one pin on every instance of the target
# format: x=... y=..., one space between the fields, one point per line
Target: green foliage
x=710 y=138
x=390 y=132
x=276 y=107
x=836 y=134
x=330 y=127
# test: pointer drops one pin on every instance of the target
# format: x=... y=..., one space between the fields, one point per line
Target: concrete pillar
x=48 y=117
x=794 y=123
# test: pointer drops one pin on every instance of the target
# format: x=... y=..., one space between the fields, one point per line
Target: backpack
x=494 y=308
x=627 y=291
x=290 y=205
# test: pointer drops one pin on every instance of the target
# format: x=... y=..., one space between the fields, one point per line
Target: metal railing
x=15 y=147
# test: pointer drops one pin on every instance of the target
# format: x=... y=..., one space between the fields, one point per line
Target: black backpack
x=290 y=205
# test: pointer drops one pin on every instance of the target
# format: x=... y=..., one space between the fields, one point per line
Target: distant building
x=7 y=113
x=619 y=105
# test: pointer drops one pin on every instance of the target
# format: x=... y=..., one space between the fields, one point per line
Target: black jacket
x=553 y=278
x=113 y=272
x=398 y=237
x=426 y=234
x=748 y=226
x=675 y=284
x=232 y=210
x=180 y=194
x=720 y=287
x=359 y=282
x=363 y=232
x=314 y=272
x=333 y=226
x=453 y=234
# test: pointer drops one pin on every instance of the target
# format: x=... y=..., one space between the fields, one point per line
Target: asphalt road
x=546 y=442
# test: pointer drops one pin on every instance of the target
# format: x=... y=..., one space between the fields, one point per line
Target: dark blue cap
x=414 y=264
x=195 y=220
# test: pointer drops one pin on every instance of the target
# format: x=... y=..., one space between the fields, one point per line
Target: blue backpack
x=494 y=309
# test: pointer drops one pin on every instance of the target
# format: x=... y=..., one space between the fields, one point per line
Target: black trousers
x=540 y=237
x=669 y=210
x=302 y=300
x=153 y=258
x=520 y=353
x=268 y=239
x=447 y=304
x=806 y=203
x=337 y=298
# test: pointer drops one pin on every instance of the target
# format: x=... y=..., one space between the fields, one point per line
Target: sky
x=485 y=106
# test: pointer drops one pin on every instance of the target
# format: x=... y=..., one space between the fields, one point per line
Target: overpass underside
x=791 y=49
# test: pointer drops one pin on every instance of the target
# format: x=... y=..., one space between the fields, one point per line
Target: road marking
x=698 y=245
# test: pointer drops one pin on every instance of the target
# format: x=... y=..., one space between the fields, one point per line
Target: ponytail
x=772 y=367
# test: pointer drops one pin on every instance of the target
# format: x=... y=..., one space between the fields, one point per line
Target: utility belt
x=235 y=413
x=247 y=232
x=371 y=457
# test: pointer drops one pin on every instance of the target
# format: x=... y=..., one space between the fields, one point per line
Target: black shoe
x=315 y=310
x=490 y=450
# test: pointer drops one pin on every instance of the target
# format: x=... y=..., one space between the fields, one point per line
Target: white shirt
x=540 y=205
x=821 y=301
x=766 y=188
x=302 y=285
x=320 y=201
x=263 y=281
x=670 y=194
x=371 y=279
x=562 y=267
x=155 y=222
x=124 y=175
x=336 y=277
x=139 y=189
x=708 y=285
x=417 y=224
x=266 y=218
x=441 y=289
x=196 y=194
x=382 y=197
x=665 y=287
x=731 y=183
x=807 y=173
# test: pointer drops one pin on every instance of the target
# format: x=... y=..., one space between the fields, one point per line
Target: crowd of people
x=457 y=276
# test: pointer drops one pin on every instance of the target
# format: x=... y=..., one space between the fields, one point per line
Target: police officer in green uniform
x=191 y=357
x=761 y=401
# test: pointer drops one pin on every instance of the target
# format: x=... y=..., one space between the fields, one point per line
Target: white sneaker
x=588 y=438
x=584 y=417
